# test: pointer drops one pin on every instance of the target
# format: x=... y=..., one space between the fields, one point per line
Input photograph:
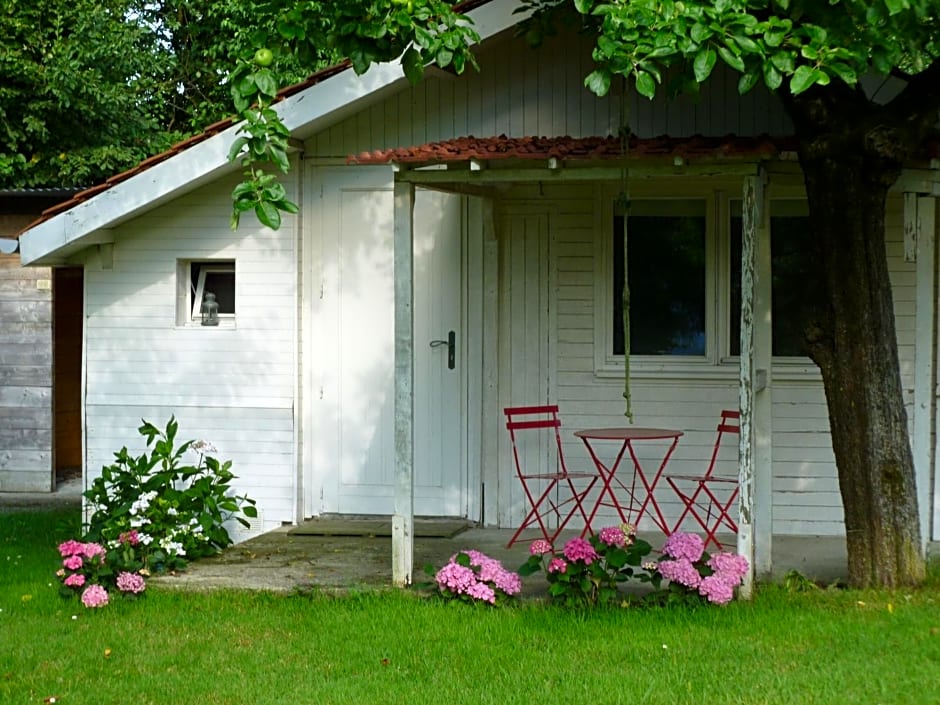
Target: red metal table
x=639 y=504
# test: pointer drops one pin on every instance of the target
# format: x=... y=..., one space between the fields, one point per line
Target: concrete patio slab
x=284 y=560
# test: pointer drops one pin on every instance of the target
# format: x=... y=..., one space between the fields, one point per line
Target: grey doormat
x=377 y=526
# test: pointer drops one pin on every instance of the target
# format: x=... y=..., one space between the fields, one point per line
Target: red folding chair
x=540 y=485
x=710 y=498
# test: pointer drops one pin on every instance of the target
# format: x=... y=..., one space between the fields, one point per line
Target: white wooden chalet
x=410 y=229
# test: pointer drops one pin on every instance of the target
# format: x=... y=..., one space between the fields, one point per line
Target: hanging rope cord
x=622 y=204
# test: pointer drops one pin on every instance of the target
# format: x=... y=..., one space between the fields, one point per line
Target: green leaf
x=444 y=57
x=583 y=6
x=896 y=6
x=268 y=214
x=747 y=44
x=704 y=63
x=274 y=192
x=237 y=147
x=250 y=511
x=772 y=77
x=279 y=157
x=747 y=81
x=266 y=82
x=844 y=71
x=287 y=206
x=645 y=84
x=732 y=59
x=802 y=79
x=784 y=61
x=412 y=65
x=774 y=37
x=598 y=81
x=700 y=33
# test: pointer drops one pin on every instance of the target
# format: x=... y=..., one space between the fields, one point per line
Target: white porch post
x=403 y=519
x=489 y=423
x=919 y=236
x=755 y=524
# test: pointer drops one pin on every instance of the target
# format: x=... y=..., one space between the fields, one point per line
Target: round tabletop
x=630 y=433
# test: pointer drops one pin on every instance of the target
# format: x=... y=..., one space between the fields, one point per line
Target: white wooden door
x=352 y=336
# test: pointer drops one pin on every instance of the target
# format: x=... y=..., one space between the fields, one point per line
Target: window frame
x=189 y=298
x=717 y=364
x=606 y=363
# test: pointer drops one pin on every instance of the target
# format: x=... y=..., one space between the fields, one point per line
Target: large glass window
x=793 y=283
x=666 y=260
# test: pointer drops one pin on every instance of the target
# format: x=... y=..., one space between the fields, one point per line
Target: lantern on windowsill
x=209 y=310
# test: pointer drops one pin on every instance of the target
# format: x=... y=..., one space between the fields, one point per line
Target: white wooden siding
x=234 y=387
x=523 y=92
x=805 y=493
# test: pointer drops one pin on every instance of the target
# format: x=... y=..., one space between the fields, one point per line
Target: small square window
x=199 y=278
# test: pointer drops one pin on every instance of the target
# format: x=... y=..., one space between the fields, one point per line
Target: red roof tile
x=579 y=148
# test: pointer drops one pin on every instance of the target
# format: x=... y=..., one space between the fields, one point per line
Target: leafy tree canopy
x=91 y=87
x=793 y=44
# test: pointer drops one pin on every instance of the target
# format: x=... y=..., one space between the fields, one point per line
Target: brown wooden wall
x=67 y=366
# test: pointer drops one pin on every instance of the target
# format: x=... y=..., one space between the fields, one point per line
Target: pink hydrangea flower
x=613 y=536
x=683 y=545
x=680 y=571
x=539 y=547
x=75 y=580
x=482 y=591
x=717 y=589
x=95 y=596
x=71 y=548
x=129 y=537
x=455 y=578
x=90 y=550
x=491 y=571
x=73 y=562
x=578 y=549
x=508 y=582
x=131 y=582
x=557 y=565
x=731 y=565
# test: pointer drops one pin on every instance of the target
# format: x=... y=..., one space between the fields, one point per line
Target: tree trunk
x=853 y=340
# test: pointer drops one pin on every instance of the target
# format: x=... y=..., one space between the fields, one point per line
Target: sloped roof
x=305 y=106
x=215 y=128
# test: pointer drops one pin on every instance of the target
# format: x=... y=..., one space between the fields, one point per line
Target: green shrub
x=160 y=510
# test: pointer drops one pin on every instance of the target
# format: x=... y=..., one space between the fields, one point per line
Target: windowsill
x=224 y=324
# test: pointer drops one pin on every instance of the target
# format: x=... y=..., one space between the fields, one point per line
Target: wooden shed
x=40 y=356
x=500 y=185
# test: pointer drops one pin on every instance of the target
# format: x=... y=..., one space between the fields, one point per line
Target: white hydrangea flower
x=202 y=447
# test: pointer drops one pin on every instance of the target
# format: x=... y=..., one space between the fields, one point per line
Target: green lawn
x=394 y=647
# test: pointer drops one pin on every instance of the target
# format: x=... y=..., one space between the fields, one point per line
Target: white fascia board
x=319 y=105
